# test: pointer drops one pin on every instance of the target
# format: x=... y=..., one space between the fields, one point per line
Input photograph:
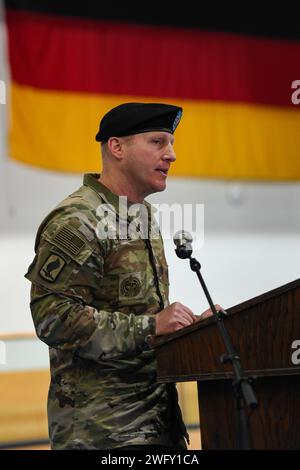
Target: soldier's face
x=148 y=159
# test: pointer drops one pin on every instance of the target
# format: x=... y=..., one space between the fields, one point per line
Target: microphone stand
x=242 y=385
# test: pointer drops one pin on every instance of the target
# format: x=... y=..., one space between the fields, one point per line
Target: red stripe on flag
x=70 y=54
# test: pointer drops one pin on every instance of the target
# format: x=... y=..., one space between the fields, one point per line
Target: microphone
x=183 y=241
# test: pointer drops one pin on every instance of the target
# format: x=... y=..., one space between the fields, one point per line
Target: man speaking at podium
x=97 y=295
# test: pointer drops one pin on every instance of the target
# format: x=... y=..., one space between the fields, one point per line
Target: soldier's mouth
x=163 y=172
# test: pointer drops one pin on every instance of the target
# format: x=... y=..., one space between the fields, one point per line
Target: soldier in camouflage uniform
x=97 y=296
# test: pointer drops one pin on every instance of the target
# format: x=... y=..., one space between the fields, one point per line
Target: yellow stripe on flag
x=56 y=130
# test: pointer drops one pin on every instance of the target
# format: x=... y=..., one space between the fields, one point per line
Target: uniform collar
x=92 y=180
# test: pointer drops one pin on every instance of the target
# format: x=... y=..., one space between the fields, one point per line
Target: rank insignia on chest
x=130 y=285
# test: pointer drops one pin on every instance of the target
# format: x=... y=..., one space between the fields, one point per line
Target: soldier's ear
x=116 y=147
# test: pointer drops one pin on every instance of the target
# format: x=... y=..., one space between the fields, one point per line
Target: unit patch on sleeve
x=52 y=267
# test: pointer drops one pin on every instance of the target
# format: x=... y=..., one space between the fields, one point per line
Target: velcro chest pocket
x=125 y=274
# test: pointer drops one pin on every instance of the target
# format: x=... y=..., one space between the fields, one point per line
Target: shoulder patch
x=69 y=240
x=52 y=267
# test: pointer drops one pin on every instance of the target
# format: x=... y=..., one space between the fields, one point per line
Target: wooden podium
x=264 y=331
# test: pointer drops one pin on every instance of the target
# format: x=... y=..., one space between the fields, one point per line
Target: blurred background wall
x=250 y=245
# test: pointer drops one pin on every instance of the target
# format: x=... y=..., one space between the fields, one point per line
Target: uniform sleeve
x=65 y=274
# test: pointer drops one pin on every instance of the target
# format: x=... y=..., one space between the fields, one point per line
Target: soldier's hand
x=173 y=318
x=208 y=313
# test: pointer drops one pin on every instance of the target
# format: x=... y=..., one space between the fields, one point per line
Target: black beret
x=134 y=118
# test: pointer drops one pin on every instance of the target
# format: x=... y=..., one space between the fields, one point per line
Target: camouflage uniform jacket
x=93 y=302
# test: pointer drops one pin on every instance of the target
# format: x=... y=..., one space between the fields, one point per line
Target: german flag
x=237 y=84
